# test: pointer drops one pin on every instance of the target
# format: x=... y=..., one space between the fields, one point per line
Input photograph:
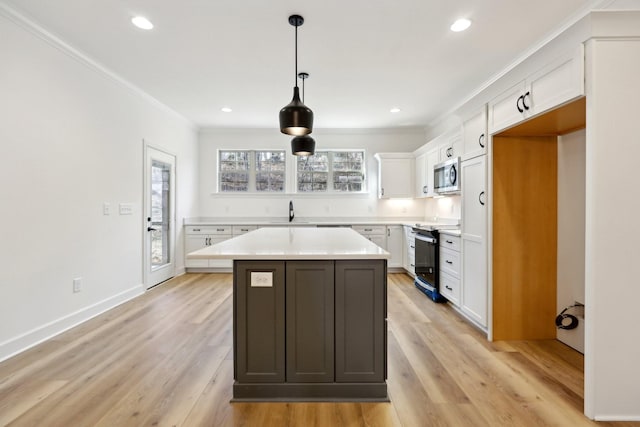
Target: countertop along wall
x=72 y=138
x=213 y=204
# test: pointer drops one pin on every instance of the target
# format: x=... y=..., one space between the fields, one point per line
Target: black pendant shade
x=303 y=146
x=296 y=118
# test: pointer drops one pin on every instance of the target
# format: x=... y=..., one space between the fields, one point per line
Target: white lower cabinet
x=198 y=237
x=395 y=245
x=376 y=233
x=450 y=268
x=409 y=258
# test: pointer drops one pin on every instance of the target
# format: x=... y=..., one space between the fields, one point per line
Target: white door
x=159 y=216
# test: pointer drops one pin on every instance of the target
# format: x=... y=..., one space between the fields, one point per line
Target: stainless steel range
x=427 y=265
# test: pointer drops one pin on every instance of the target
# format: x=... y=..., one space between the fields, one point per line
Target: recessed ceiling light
x=460 y=25
x=142 y=22
x=395 y=110
x=226 y=109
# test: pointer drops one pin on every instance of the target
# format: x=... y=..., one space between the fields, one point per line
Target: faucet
x=291 y=214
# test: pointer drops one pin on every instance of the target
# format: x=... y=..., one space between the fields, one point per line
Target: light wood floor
x=165 y=359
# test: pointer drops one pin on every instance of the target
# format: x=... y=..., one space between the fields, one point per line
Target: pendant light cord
x=296 y=56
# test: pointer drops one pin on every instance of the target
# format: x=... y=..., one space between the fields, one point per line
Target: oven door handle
x=426 y=239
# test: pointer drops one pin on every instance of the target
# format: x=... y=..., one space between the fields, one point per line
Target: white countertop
x=314 y=221
x=288 y=243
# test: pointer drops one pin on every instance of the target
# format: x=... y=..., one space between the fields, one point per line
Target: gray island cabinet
x=309 y=315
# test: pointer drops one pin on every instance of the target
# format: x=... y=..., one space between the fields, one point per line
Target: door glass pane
x=160 y=213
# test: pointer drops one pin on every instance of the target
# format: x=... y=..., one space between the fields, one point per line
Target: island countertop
x=294 y=243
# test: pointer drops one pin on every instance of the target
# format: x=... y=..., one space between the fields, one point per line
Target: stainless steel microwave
x=446 y=177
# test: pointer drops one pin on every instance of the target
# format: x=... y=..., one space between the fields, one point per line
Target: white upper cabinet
x=395 y=175
x=451 y=146
x=474 y=135
x=424 y=172
x=551 y=86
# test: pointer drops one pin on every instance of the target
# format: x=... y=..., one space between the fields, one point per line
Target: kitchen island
x=309 y=314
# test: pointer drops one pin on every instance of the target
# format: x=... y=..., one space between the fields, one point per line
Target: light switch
x=106 y=208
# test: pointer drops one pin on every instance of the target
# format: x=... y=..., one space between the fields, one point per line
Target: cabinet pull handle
x=520 y=98
x=388 y=233
x=382 y=191
x=481 y=198
x=481 y=140
x=412 y=247
x=412 y=265
x=524 y=100
x=448 y=262
x=449 y=288
x=424 y=189
x=196 y=229
x=219 y=229
x=449 y=242
x=449 y=153
x=151 y=229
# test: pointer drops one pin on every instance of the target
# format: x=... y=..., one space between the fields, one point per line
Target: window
x=249 y=171
x=331 y=171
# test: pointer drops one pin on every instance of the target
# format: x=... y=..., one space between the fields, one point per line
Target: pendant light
x=303 y=145
x=296 y=118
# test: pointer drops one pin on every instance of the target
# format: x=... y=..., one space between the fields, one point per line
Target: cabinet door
x=421 y=176
x=219 y=263
x=474 y=197
x=310 y=317
x=380 y=240
x=504 y=110
x=474 y=276
x=361 y=307
x=193 y=242
x=395 y=177
x=433 y=157
x=450 y=288
x=475 y=136
x=394 y=245
x=259 y=315
x=474 y=234
x=451 y=148
x=557 y=83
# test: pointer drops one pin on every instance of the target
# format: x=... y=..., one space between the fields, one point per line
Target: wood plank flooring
x=165 y=359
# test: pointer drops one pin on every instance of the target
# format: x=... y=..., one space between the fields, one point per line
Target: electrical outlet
x=126 y=209
x=77 y=284
x=106 y=208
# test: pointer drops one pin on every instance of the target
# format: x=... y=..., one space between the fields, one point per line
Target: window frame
x=252 y=171
x=331 y=173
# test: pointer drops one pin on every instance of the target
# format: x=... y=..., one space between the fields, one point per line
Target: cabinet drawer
x=450 y=288
x=208 y=229
x=450 y=242
x=450 y=262
x=242 y=229
x=370 y=229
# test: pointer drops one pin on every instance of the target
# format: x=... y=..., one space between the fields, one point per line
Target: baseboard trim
x=49 y=330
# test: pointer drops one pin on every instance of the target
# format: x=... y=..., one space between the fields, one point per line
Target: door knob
x=151 y=229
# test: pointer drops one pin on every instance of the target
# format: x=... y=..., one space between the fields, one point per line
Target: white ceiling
x=363 y=56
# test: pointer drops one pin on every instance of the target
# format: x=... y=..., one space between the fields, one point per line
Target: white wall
x=443 y=207
x=213 y=204
x=571 y=194
x=612 y=266
x=72 y=139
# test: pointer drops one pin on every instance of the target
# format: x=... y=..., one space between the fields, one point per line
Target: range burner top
x=433 y=227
